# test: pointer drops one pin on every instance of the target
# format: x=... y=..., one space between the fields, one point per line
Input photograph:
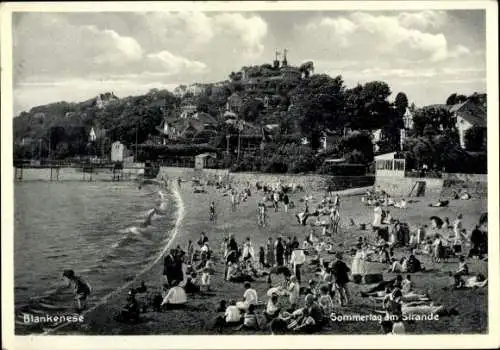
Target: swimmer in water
x=80 y=287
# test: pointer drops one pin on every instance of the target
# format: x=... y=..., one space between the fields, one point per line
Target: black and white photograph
x=250 y=170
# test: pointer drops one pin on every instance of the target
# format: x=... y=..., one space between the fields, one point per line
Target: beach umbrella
x=438 y=220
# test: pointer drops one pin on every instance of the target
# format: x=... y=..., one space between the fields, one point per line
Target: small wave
x=180 y=217
x=57 y=256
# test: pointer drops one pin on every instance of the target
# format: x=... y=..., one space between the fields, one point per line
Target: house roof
x=472 y=112
x=474 y=119
x=390 y=155
x=205 y=118
x=205 y=155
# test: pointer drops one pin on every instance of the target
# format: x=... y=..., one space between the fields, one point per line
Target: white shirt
x=377 y=216
x=298 y=257
x=271 y=307
x=232 y=314
x=294 y=291
x=250 y=296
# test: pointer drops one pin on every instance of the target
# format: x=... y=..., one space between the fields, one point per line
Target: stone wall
x=308 y=182
x=475 y=184
x=402 y=186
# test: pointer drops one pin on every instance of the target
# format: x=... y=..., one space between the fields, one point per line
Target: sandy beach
x=197 y=317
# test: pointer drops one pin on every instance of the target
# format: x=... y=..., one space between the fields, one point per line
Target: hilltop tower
x=285 y=62
x=276 y=62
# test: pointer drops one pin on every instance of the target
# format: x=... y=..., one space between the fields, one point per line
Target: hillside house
x=467 y=115
x=196 y=89
x=103 y=99
x=408 y=119
x=234 y=103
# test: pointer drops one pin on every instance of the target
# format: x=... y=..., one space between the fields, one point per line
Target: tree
x=358 y=147
x=454 y=99
x=367 y=106
x=250 y=110
x=401 y=103
x=475 y=139
x=431 y=120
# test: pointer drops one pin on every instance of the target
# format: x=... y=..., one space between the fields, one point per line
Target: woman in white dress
x=358 y=266
x=377 y=215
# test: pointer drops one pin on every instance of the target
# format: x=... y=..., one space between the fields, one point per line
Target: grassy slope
x=197 y=318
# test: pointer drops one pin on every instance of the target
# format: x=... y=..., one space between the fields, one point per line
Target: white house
x=388 y=165
x=92 y=135
x=408 y=119
x=196 y=89
x=118 y=152
x=467 y=115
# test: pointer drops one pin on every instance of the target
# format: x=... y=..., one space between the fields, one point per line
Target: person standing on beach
x=80 y=287
x=286 y=201
x=190 y=252
x=279 y=251
x=169 y=267
x=179 y=181
x=297 y=259
x=276 y=199
x=341 y=271
x=270 y=253
x=288 y=249
x=232 y=197
x=212 y=214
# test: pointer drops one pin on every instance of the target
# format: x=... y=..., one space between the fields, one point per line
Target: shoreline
x=179 y=215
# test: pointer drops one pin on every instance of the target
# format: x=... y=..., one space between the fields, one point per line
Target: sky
x=74 y=56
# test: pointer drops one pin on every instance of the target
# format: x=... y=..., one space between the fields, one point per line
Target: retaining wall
x=308 y=182
x=402 y=186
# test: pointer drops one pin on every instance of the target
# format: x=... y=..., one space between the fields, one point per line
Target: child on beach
x=206 y=274
x=250 y=320
x=80 y=287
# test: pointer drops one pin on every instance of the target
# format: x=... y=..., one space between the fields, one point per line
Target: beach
x=197 y=318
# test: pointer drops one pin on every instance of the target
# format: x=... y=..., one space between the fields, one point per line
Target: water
x=95 y=228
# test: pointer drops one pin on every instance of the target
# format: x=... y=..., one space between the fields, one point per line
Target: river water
x=98 y=229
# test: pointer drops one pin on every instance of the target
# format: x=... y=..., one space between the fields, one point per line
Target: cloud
x=176 y=64
x=423 y=19
x=195 y=32
x=380 y=36
x=48 y=44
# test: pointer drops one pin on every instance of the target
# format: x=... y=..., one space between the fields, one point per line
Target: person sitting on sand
x=250 y=320
x=233 y=314
x=325 y=300
x=174 y=298
x=249 y=297
x=206 y=274
x=465 y=196
x=130 y=313
x=440 y=203
x=401 y=204
x=477 y=281
x=293 y=291
x=273 y=308
x=309 y=319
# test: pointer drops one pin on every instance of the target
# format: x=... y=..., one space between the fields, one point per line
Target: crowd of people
x=293 y=305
